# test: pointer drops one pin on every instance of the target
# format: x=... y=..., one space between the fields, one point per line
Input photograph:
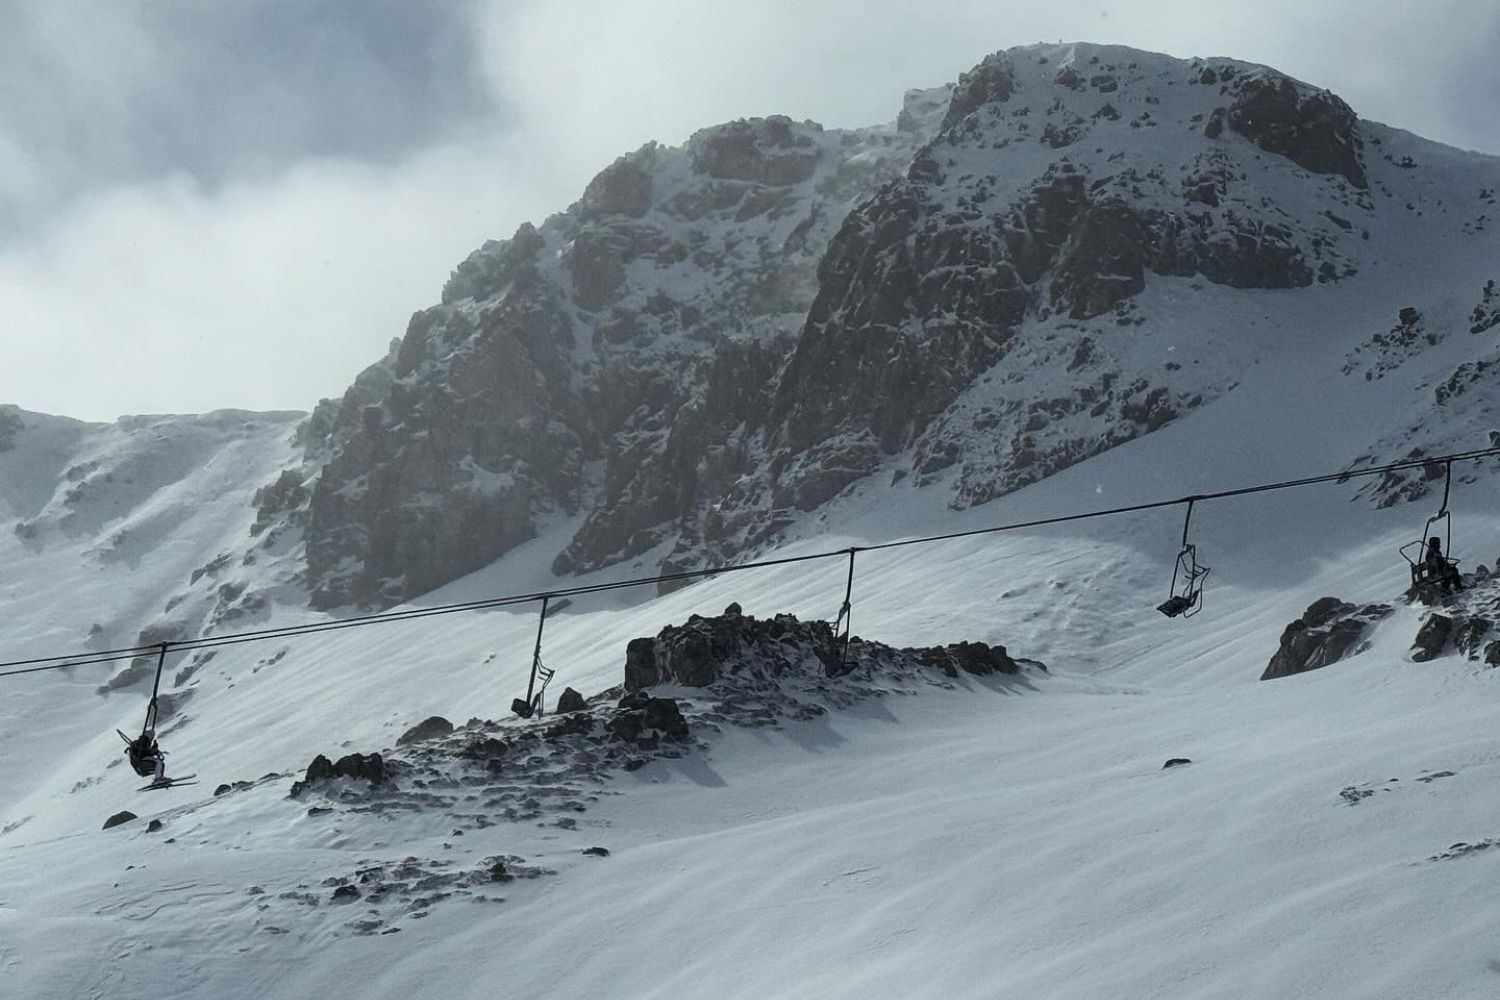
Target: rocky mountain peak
x=718 y=337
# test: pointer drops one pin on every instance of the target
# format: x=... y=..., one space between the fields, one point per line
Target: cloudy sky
x=238 y=203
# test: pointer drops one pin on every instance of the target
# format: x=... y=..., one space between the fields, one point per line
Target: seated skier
x=1439 y=568
x=147 y=759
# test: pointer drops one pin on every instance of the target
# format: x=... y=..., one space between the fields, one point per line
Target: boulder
x=1432 y=638
x=645 y=721
x=571 y=701
x=1328 y=631
x=123 y=816
x=366 y=767
x=429 y=728
x=1176 y=762
x=1492 y=654
x=640 y=664
x=320 y=769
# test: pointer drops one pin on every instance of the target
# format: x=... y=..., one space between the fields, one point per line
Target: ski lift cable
x=13 y=668
x=1285 y=484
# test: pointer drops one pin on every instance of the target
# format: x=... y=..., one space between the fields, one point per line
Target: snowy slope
x=993 y=837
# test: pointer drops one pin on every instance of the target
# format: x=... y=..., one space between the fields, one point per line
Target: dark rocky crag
x=1330 y=630
x=606 y=362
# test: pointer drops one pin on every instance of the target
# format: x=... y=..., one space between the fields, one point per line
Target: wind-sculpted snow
x=487 y=780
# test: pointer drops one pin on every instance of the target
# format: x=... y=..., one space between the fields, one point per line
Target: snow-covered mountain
x=1040 y=263
x=1082 y=276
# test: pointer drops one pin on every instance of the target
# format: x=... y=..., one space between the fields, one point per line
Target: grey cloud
x=103 y=94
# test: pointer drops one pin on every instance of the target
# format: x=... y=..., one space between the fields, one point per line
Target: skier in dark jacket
x=147 y=759
x=1440 y=569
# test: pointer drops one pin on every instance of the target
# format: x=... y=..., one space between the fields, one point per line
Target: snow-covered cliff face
x=1028 y=268
x=1017 y=246
x=605 y=365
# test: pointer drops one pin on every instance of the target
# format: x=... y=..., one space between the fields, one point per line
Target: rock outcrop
x=1328 y=631
x=1313 y=129
x=429 y=728
x=362 y=767
x=738 y=649
x=123 y=816
x=1432 y=638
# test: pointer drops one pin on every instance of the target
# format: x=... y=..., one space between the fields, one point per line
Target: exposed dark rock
x=1176 y=762
x=645 y=721
x=365 y=767
x=11 y=425
x=1328 y=631
x=992 y=81
x=285 y=496
x=622 y=188
x=1214 y=127
x=320 y=769
x=1470 y=635
x=1486 y=315
x=427 y=729
x=640 y=664
x=570 y=701
x=153 y=826
x=700 y=652
x=763 y=150
x=1492 y=653
x=123 y=816
x=1432 y=638
x=970 y=657
x=1104 y=263
x=345 y=894
x=596 y=852
x=1314 y=130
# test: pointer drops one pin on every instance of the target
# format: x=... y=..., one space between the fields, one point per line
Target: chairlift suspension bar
x=1447 y=484
x=1186 y=521
x=536 y=652
x=846 y=612
x=161 y=661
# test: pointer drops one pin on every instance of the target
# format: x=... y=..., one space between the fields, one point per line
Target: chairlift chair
x=1439 y=525
x=1185 y=597
x=527 y=708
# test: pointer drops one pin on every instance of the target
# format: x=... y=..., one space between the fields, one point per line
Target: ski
x=186 y=779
